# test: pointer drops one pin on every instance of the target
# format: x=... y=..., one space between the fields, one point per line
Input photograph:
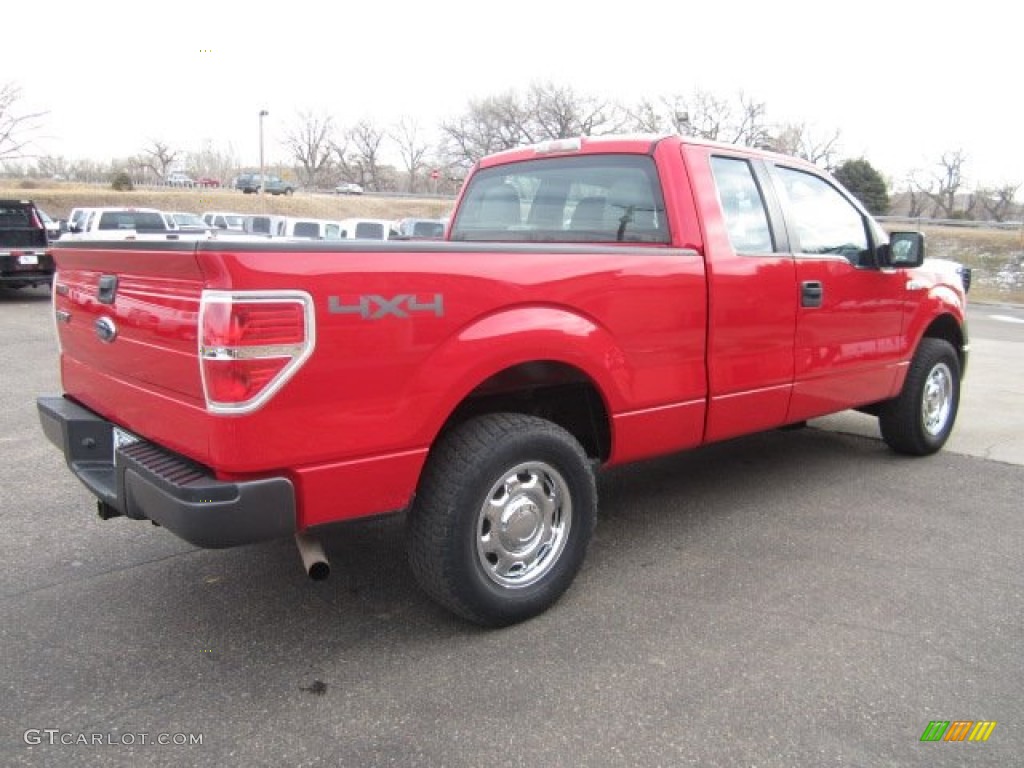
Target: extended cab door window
x=743 y=208
x=824 y=220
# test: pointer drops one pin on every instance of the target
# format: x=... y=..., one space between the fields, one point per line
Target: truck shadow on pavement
x=648 y=512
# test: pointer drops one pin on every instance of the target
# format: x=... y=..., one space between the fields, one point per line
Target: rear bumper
x=144 y=481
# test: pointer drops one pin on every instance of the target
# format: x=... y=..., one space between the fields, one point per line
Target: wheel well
x=947 y=328
x=550 y=390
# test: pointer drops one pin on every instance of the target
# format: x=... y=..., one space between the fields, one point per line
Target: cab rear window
x=16 y=217
x=586 y=198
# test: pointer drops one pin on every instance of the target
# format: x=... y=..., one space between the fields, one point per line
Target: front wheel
x=920 y=419
x=502 y=518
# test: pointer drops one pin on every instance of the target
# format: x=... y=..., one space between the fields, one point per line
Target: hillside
x=58 y=199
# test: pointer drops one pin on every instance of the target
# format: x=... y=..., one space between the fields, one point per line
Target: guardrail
x=921 y=221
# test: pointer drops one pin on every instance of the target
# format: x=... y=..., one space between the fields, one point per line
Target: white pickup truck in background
x=110 y=223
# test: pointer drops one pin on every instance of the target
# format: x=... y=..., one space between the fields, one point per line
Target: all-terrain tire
x=920 y=419
x=502 y=518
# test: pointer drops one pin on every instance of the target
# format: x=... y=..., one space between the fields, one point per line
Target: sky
x=903 y=82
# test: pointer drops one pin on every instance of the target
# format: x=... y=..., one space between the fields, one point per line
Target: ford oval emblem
x=106 y=329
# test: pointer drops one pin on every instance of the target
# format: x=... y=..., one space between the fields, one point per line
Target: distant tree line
x=322 y=152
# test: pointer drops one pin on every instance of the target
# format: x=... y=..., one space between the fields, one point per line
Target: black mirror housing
x=905 y=250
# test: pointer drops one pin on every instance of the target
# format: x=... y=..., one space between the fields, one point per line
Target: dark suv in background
x=249 y=183
x=25 y=258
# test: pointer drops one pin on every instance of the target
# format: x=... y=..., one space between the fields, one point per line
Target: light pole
x=263 y=113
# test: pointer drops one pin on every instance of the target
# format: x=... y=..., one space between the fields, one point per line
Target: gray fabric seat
x=589 y=214
x=501 y=208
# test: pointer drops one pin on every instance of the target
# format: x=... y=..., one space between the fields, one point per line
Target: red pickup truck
x=596 y=301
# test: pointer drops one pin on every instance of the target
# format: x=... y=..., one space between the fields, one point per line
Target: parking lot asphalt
x=797 y=598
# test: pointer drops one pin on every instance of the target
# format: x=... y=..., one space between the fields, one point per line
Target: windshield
x=587 y=198
x=428 y=229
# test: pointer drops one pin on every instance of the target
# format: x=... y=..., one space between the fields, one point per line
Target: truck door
x=752 y=284
x=850 y=312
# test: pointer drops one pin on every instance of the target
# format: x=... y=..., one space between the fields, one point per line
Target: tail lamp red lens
x=250 y=344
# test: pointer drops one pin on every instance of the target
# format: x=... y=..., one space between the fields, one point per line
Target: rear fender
x=509 y=338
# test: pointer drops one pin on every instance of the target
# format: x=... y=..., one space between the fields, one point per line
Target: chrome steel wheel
x=937 y=399
x=523 y=524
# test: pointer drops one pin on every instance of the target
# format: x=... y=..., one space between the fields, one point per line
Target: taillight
x=250 y=344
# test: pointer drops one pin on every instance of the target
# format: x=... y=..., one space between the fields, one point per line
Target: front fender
x=942 y=306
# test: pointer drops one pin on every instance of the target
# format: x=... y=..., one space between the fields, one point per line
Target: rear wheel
x=919 y=421
x=502 y=518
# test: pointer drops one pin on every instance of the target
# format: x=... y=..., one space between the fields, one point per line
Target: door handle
x=107 y=289
x=811 y=293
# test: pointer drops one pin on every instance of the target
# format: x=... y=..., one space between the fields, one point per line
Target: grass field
x=996 y=256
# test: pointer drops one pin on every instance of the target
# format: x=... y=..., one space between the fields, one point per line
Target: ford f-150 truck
x=596 y=301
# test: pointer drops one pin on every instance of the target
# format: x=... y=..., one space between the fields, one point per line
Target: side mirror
x=905 y=250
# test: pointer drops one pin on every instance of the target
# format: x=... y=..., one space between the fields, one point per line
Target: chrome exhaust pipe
x=313 y=558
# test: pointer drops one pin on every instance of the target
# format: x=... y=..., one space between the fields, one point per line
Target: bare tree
x=53 y=167
x=644 y=117
x=90 y=171
x=489 y=125
x=366 y=138
x=508 y=120
x=559 y=112
x=309 y=142
x=998 y=203
x=340 y=154
x=407 y=135
x=752 y=128
x=158 y=157
x=916 y=199
x=140 y=168
x=942 y=189
x=212 y=162
x=706 y=115
x=15 y=128
x=799 y=140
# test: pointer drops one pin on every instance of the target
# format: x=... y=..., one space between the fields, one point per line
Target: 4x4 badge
x=376 y=307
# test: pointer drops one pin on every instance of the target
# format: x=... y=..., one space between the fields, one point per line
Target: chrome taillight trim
x=299 y=353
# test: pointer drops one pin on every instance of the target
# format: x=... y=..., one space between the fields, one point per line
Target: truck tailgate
x=129 y=315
